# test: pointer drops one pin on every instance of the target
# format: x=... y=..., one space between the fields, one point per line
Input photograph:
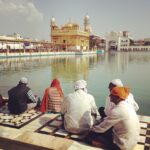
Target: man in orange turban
x=123 y=119
x=118 y=94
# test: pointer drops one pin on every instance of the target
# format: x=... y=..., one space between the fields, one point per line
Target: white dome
x=53 y=19
x=87 y=17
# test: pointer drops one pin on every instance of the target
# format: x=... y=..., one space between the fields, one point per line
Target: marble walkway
x=25 y=138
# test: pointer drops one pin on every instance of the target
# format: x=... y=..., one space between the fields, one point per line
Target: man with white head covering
x=109 y=105
x=117 y=82
x=78 y=108
x=21 y=97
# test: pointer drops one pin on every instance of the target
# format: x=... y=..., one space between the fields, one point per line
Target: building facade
x=115 y=41
x=97 y=43
x=15 y=43
x=121 y=41
x=70 y=37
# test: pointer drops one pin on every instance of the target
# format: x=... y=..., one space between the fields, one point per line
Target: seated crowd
x=115 y=126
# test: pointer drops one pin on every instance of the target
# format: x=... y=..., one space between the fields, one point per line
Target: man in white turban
x=109 y=105
x=21 y=98
x=78 y=108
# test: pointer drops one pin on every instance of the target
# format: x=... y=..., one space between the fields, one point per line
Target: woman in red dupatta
x=52 y=98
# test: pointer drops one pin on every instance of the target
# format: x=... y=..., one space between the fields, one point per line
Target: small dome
x=87 y=17
x=71 y=25
x=53 y=19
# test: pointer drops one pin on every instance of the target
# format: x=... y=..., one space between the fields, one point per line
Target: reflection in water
x=41 y=70
x=72 y=68
x=19 y=64
x=68 y=67
x=119 y=62
x=133 y=68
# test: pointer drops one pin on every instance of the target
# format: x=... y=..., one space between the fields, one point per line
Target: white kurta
x=125 y=123
x=130 y=100
x=77 y=108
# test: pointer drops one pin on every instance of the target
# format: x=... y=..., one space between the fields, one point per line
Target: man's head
x=23 y=80
x=81 y=84
x=114 y=83
x=119 y=94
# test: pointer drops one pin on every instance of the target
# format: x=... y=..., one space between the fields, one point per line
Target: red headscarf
x=44 y=104
x=56 y=83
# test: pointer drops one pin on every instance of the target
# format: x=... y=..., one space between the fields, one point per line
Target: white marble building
x=121 y=41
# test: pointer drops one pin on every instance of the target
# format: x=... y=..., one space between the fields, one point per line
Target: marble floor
x=26 y=137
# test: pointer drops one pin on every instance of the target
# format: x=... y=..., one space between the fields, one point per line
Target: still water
x=133 y=68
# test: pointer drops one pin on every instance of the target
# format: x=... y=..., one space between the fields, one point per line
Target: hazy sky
x=31 y=18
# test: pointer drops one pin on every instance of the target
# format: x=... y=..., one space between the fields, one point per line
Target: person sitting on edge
x=52 y=98
x=3 y=100
x=77 y=109
x=123 y=119
x=21 y=98
x=2 y=103
x=109 y=105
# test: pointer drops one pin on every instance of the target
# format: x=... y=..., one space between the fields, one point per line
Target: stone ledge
x=26 y=139
x=30 y=141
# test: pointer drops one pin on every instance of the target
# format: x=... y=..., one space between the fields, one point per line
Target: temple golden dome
x=70 y=25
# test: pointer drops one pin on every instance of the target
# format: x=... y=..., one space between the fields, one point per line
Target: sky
x=31 y=18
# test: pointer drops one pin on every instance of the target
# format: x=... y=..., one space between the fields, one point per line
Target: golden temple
x=70 y=37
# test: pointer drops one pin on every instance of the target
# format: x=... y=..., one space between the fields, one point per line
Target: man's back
x=77 y=111
x=125 y=123
x=126 y=132
x=18 y=99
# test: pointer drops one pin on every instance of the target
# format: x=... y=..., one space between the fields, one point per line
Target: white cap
x=24 y=80
x=80 y=84
x=117 y=82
